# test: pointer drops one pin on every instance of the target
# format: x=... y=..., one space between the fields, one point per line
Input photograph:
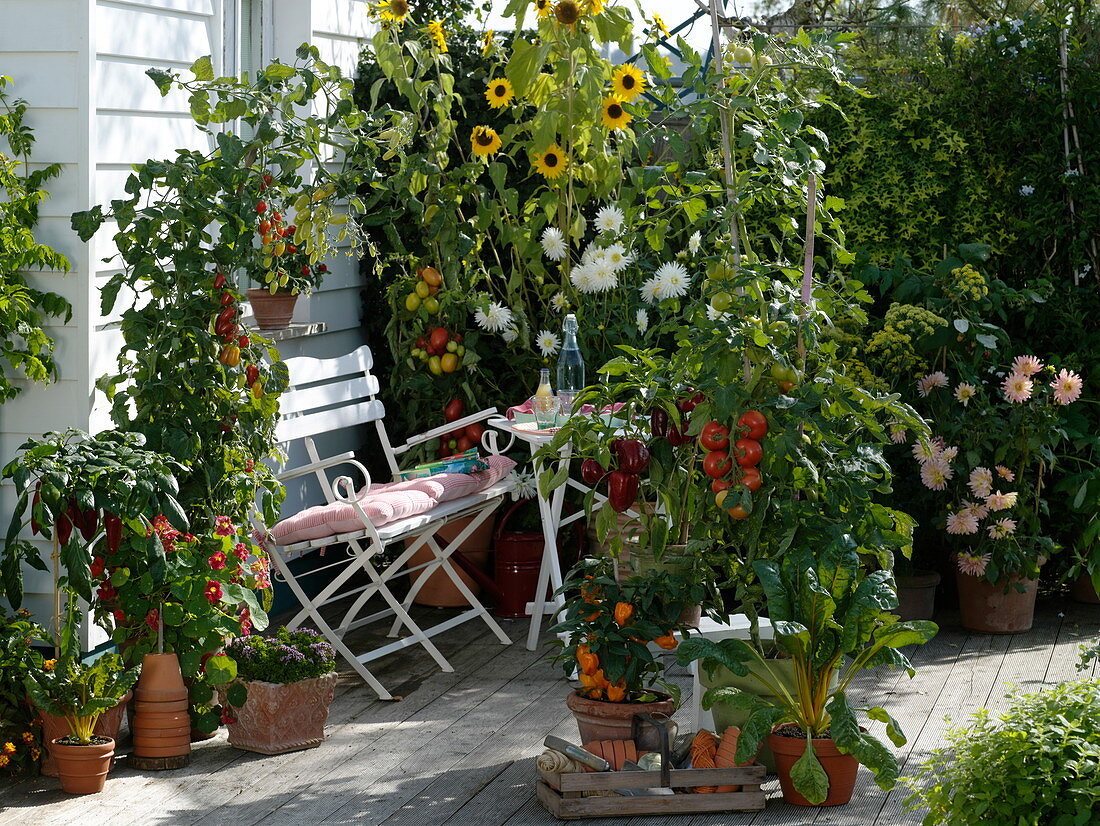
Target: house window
x=248 y=31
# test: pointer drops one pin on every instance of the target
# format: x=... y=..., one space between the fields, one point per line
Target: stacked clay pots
x=162 y=726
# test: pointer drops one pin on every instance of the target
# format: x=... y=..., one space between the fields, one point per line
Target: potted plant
x=19 y=729
x=279 y=701
x=80 y=693
x=986 y=770
x=609 y=625
x=831 y=619
x=993 y=450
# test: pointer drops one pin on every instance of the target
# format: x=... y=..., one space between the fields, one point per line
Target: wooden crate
x=560 y=794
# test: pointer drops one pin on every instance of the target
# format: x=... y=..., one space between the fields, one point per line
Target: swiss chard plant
x=832 y=621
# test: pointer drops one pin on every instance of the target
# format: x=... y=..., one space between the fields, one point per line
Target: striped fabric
x=388 y=502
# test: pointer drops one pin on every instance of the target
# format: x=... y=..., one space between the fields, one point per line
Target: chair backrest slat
x=328 y=394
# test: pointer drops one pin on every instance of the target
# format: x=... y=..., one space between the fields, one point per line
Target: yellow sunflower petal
x=484 y=141
x=552 y=163
x=613 y=114
x=499 y=92
x=627 y=82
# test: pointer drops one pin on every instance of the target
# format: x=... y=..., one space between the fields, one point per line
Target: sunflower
x=659 y=23
x=484 y=141
x=568 y=12
x=543 y=7
x=489 y=43
x=499 y=93
x=394 y=11
x=594 y=6
x=551 y=163
x=435 y=29
x=614 y=115
x=627 y=82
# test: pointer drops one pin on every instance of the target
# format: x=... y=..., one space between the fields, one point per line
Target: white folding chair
x=327 y=395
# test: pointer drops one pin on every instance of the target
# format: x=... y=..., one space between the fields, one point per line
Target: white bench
x=327 y=395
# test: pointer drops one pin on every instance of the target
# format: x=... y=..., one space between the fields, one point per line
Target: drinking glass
x=546 y=411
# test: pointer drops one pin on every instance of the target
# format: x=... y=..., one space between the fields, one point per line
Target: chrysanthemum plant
x=996 y=437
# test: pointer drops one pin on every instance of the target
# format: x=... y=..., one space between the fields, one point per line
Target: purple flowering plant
x=285 y=657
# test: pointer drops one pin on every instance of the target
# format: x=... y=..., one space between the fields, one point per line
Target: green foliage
x=25 y=346
x=83 y=481
x=75 y=691
x=286 y=657
x=1034 y=764
x=18 y=659
x=830 y=618
x=625 y=669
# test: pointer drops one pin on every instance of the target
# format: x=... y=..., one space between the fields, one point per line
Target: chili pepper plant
x=611 y=623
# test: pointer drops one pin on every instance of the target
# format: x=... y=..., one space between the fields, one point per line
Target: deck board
x=457 y=751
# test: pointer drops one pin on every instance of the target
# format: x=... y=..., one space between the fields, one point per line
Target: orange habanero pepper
x=623 y=612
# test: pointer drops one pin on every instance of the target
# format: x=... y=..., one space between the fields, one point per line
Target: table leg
x=550 y=569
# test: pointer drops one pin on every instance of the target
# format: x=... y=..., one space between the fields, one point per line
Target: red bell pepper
x=592 y=471
x=677 y=436
x=65 y=523
x=622 y=490
x=113 y=526
x=658 y=422
x=633 y=455
x=89 y=524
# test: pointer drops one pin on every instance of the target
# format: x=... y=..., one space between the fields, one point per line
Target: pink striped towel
x=388 y=502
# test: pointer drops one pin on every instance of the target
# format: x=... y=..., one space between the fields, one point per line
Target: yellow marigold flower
x=551 y=163
x=660 y=24
x=543 y=7
x=484 y=141
x=48 y=665
x=568 y=12
x=627 y=82
x=499 y=93
x=9 y=748
x=28 y=738
x=4 y=760
x=394 y=11
x=614 y=116
x=435 y=29
x=489 y=43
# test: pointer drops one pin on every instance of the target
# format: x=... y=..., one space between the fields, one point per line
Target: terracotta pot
x=1083 y=590
x=83 y=769
x=917 y=594
x=640 y=562
x=161 y=728
x=996 y=608
x=841 y=768
x=440 y=591
x=272 y=312
x=278 y=718
x=107 y=725
x=161 y=680
x=601 y=720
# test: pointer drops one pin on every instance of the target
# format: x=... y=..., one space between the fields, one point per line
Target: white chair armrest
x=436 y=432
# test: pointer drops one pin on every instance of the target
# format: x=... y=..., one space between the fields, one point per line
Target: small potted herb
x=831 y=619
x=279 y=701
x=80 y=693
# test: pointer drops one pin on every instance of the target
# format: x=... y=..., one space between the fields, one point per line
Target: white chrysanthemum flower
x=650 y=290
x=694 y=242
x=553 y=244
x=617 y=256
x=582 y=278
x=559 y=303
x=510 y=335
x=641 y=318
x=603 y=276
x=672 y=280
x=525 y=485
x=496 y=319
x=591 y=252
x=608 y=219
x=547 y=342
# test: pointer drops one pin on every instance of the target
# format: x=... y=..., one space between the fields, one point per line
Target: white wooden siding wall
x=44 y=49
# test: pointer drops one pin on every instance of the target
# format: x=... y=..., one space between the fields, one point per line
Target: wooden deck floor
x=458 y=749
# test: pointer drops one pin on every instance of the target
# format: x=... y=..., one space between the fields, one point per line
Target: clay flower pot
x=278 y=718
x=272 y=312
x=1083 y=590
x=602 y=720
x=161 y=680
x=54 y=728
x=840 y=768
x=991 y=609
x=82 y=769
x=161 y=724
x=917 y=594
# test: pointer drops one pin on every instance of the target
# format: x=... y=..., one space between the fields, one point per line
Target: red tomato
x=737 y=512
x=453 y=410
x=716 y=464
x=439 y=339
x=754 y=423
x=261 y=207
x=748 y=452
x=785 y=386
x=719 y=485
x=464 y=444
x=475 y=431
x=750 y=478
x=715 y=436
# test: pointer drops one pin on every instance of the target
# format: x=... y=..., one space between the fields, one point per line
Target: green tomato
x=412 y=302
x=743 y=55
x=721 y=301
x=431 y=304
x=780 y=372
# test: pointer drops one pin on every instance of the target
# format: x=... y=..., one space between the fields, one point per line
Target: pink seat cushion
x=388 y=502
